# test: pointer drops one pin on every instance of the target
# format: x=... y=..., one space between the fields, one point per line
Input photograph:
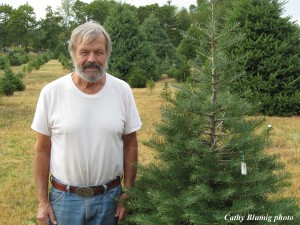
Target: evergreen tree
x=167 y=16
x=10 y=82
x=183 y=20
x=130 y=48
x=204 y=139
x=189 y=43
x=162 y=45
x=272 y=65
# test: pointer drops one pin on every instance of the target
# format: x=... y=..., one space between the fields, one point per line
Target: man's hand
x=122 y=211
x=130 y=166
x=44 y=212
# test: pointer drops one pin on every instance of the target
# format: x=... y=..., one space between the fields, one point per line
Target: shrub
x=166 y=93
x=150 y=84
x=6 y=87
x=20 y=86
x=137 y=78
x=23 y=58
x=38 y=61
x=17 y=59
x=65 y=61
x=11 y=82
x=3 y=62
x=28 y=68
x=17 y=49
x=14 y=60
x=60 y=49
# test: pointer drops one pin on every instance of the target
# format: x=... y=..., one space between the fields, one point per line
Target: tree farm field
x=18 y=201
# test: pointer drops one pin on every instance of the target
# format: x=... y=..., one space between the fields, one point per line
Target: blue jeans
x=71 y=209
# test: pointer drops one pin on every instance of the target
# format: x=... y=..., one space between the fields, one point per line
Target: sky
x=292 y=8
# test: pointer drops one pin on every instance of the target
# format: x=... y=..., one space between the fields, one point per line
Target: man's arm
x=130 y=159
x=130 y=167
x=41 y=175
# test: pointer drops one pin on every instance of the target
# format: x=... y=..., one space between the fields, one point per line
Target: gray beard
x=90 y=78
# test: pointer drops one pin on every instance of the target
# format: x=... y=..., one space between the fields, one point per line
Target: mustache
x=91 y=65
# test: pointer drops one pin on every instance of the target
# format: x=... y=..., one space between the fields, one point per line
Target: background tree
x=204 y=138
x=5 y=11
x=97 y=10
x=183 y=20
x=51 y=28
x=188 y=45
x=80 y=11
x=66 y=11
x=130 y=49
x=272 y=65
x=190 y=42
x=166 y=15
x=21 y=25
x=199 y=17
x=158 y=39
x=144 y=12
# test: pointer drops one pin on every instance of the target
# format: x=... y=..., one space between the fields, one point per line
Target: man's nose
x=91 y=57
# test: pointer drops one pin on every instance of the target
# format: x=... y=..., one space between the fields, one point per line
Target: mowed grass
x=17 y=192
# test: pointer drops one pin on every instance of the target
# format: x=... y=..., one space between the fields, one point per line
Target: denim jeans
x=71 y=209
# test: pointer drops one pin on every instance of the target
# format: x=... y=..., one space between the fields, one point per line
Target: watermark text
x=254 y=217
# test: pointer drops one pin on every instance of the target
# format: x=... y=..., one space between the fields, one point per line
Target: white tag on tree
x=244 y=168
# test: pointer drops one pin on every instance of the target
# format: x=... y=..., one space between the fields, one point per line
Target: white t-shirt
x=86 y=130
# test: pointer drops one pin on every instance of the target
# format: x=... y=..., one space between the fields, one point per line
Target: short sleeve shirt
x=86 y=130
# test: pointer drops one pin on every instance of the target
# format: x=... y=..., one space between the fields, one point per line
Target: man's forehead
x=85 y=41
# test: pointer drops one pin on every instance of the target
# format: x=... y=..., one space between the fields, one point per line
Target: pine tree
x=272 y=63
x=203 y=140
x=162 y=45
x=188 y=45
x=11 y=82
x=130 y=49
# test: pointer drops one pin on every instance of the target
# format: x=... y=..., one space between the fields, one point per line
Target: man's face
x=90 y=59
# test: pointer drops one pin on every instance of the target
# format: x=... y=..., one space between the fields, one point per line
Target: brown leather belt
x=87 y=191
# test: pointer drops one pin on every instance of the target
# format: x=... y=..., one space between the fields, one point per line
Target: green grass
x=17 y=192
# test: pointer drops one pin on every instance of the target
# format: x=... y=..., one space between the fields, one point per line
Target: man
x=85 y=125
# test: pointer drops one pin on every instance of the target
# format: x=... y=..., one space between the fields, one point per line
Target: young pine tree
x=10 y=82
x=203 y=141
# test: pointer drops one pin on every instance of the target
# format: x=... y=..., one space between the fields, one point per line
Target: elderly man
x=85 y=125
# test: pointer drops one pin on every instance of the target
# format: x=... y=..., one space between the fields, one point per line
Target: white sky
x=292 y=8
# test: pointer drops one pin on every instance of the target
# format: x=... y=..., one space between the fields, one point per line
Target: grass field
x=17 y=193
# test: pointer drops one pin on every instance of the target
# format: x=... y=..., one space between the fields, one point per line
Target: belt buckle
x=85 y=192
